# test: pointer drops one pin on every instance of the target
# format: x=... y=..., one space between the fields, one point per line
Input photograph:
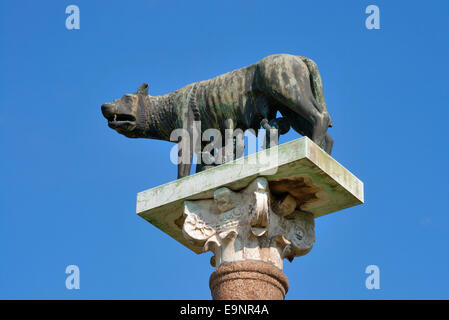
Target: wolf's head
x=125 y=114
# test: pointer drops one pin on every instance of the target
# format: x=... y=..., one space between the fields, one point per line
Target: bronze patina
x=246 y=98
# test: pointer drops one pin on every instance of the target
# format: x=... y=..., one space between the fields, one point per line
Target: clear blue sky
x=69 y=183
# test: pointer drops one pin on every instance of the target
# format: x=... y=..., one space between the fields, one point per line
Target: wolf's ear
x=143 y=89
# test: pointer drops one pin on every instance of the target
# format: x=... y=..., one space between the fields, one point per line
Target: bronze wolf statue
x=245 y=98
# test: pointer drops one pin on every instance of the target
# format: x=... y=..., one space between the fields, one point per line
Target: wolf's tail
x=316 y=83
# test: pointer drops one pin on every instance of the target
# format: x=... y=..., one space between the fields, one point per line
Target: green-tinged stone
x=300 y=168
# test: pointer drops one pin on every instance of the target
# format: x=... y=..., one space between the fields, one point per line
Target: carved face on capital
x=124 y=114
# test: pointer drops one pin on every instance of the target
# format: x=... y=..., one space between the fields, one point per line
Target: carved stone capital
x=250 y=224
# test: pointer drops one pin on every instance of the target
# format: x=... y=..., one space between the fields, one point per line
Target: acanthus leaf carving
x=240 y=225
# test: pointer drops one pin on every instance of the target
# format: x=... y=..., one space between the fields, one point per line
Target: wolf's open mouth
x=121 y=117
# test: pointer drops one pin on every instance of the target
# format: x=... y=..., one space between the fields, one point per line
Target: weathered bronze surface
x=246 y=98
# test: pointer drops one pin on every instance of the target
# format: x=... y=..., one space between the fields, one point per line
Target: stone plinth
x=252 y=213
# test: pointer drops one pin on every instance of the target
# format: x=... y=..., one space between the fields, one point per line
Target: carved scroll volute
x=302 y=234
x=197 y=227
x=298 y=237
x=259 y=209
